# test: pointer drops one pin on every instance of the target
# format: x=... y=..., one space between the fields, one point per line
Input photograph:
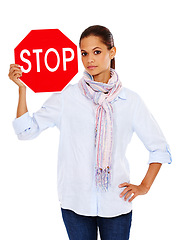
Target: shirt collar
x=122 y=94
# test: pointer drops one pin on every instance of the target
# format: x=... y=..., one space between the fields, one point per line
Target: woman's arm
x=14 y=74
x=147 y=129
x=145 y=185
x=49 y=115
x=22 y=106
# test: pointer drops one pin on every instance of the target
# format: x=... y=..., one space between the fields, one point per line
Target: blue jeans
x=85 y=227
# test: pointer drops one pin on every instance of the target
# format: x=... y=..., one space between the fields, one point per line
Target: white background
x=145 y=36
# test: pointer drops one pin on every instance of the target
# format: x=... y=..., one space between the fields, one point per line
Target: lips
x=91 y=67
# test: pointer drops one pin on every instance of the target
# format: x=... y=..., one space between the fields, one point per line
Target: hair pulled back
x=104 y=34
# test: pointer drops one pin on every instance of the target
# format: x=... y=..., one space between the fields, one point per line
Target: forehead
x=90 y=42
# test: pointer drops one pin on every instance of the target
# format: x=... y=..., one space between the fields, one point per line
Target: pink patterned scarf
x=103 y=95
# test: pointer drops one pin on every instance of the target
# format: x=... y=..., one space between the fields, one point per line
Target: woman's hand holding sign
x=15 y=73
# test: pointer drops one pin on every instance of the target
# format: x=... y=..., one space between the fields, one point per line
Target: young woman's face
x=96 y=58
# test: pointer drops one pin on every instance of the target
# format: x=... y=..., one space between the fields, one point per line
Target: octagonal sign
x=48 y=60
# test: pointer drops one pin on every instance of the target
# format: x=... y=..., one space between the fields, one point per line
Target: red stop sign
x=48 y=60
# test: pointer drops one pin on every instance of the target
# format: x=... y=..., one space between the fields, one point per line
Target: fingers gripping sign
x=15 y=73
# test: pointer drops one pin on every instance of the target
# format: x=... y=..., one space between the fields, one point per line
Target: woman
x=96 y=118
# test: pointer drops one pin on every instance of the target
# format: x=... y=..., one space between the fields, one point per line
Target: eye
x=83 y=54
x=97 y=52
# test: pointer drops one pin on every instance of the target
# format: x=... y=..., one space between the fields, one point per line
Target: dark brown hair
x=104 y=34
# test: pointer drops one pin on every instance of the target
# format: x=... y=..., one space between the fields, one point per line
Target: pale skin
x=96 y=59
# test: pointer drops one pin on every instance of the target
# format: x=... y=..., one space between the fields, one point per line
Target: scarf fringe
x=103 y=178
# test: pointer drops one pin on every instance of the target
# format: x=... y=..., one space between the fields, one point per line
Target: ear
x=112 y=52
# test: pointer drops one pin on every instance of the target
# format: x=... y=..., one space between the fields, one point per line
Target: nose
x=90 y=59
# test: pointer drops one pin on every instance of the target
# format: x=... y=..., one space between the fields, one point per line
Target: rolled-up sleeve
x=27 y=127
x=150 y=134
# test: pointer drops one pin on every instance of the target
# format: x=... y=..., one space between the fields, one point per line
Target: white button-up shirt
x=74 y=115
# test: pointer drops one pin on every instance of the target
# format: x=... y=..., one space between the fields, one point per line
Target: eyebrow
x=92 y=49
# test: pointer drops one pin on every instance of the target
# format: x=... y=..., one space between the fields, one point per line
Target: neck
x=102 y=77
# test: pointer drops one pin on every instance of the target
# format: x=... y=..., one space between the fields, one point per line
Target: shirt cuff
x=22 y=123
x=160 y=157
